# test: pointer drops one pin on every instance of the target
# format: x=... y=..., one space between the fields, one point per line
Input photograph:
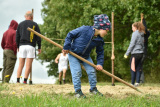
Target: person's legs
x=30 y=55
x=10 y=63
x=64 y=75
x=92 y=77
x=142 y=73
x=28 y=68
x=76 y=72
x=138 y=67
x=138 y=75
x=91 y=73
x=22 y=58
x=60 y=77
x=132 y=69
x=20 y=68
x=133 y=76
x=4 y=65
x=142 y=77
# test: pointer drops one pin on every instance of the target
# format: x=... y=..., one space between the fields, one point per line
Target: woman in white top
x=62 y=60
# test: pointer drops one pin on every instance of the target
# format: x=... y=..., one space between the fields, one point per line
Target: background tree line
x=60 y=17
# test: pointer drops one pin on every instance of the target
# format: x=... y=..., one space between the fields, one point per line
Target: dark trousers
x=9 y=60
x=142 y=74
x=135 y=75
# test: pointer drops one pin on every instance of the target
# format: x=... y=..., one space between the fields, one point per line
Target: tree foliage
x=60 y=17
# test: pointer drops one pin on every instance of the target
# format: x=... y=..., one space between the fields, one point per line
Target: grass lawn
x=53 y=99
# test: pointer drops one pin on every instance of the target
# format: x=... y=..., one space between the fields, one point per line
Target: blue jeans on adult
x=77 y=72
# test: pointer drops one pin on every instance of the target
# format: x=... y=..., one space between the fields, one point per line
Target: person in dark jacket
x=26 y=42
x=81 y=41
x=9 y=47
x=136 y=48
x=146 y=36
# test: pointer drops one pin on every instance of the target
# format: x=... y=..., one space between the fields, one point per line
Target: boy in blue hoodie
x=81 y=41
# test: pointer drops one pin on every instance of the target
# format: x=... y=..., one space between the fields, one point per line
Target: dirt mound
x=108 y=91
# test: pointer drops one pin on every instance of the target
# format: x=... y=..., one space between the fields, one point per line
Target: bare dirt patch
x=117 y=91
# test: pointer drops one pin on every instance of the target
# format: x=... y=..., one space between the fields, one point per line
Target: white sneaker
x=136 y=84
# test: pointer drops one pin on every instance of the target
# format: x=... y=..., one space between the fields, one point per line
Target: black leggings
x=136 y=67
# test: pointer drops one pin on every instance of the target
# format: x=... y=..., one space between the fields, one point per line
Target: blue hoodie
x=82 y=40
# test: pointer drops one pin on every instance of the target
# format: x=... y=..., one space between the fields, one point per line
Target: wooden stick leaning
x=84 y=60
x=113 y=48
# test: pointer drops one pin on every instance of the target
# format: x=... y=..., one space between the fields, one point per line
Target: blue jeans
x=77 y=72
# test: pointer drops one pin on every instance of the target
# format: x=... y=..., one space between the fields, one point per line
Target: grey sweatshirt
x=137 y=43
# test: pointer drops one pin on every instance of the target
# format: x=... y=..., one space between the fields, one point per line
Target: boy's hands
x=65 y=51
x=99 y=67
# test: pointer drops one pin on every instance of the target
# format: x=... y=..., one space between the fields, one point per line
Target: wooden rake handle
x=84 y=60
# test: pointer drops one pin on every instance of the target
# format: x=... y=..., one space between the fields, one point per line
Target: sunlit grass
x=53 y=99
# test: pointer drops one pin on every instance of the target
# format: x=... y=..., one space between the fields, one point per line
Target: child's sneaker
x=60 y=82
x=95 y=91
x=79 y=94
x=136 y=84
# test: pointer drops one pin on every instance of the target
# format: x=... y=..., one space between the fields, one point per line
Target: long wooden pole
x=113 y=48
x=84 y=60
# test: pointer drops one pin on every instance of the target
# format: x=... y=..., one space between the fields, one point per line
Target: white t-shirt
x=63 y=62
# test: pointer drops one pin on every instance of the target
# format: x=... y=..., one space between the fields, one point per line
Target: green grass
x=59 y=100
x=54 y=100
x=2 y=87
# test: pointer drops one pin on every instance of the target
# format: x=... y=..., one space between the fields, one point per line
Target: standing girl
x=136 y=48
